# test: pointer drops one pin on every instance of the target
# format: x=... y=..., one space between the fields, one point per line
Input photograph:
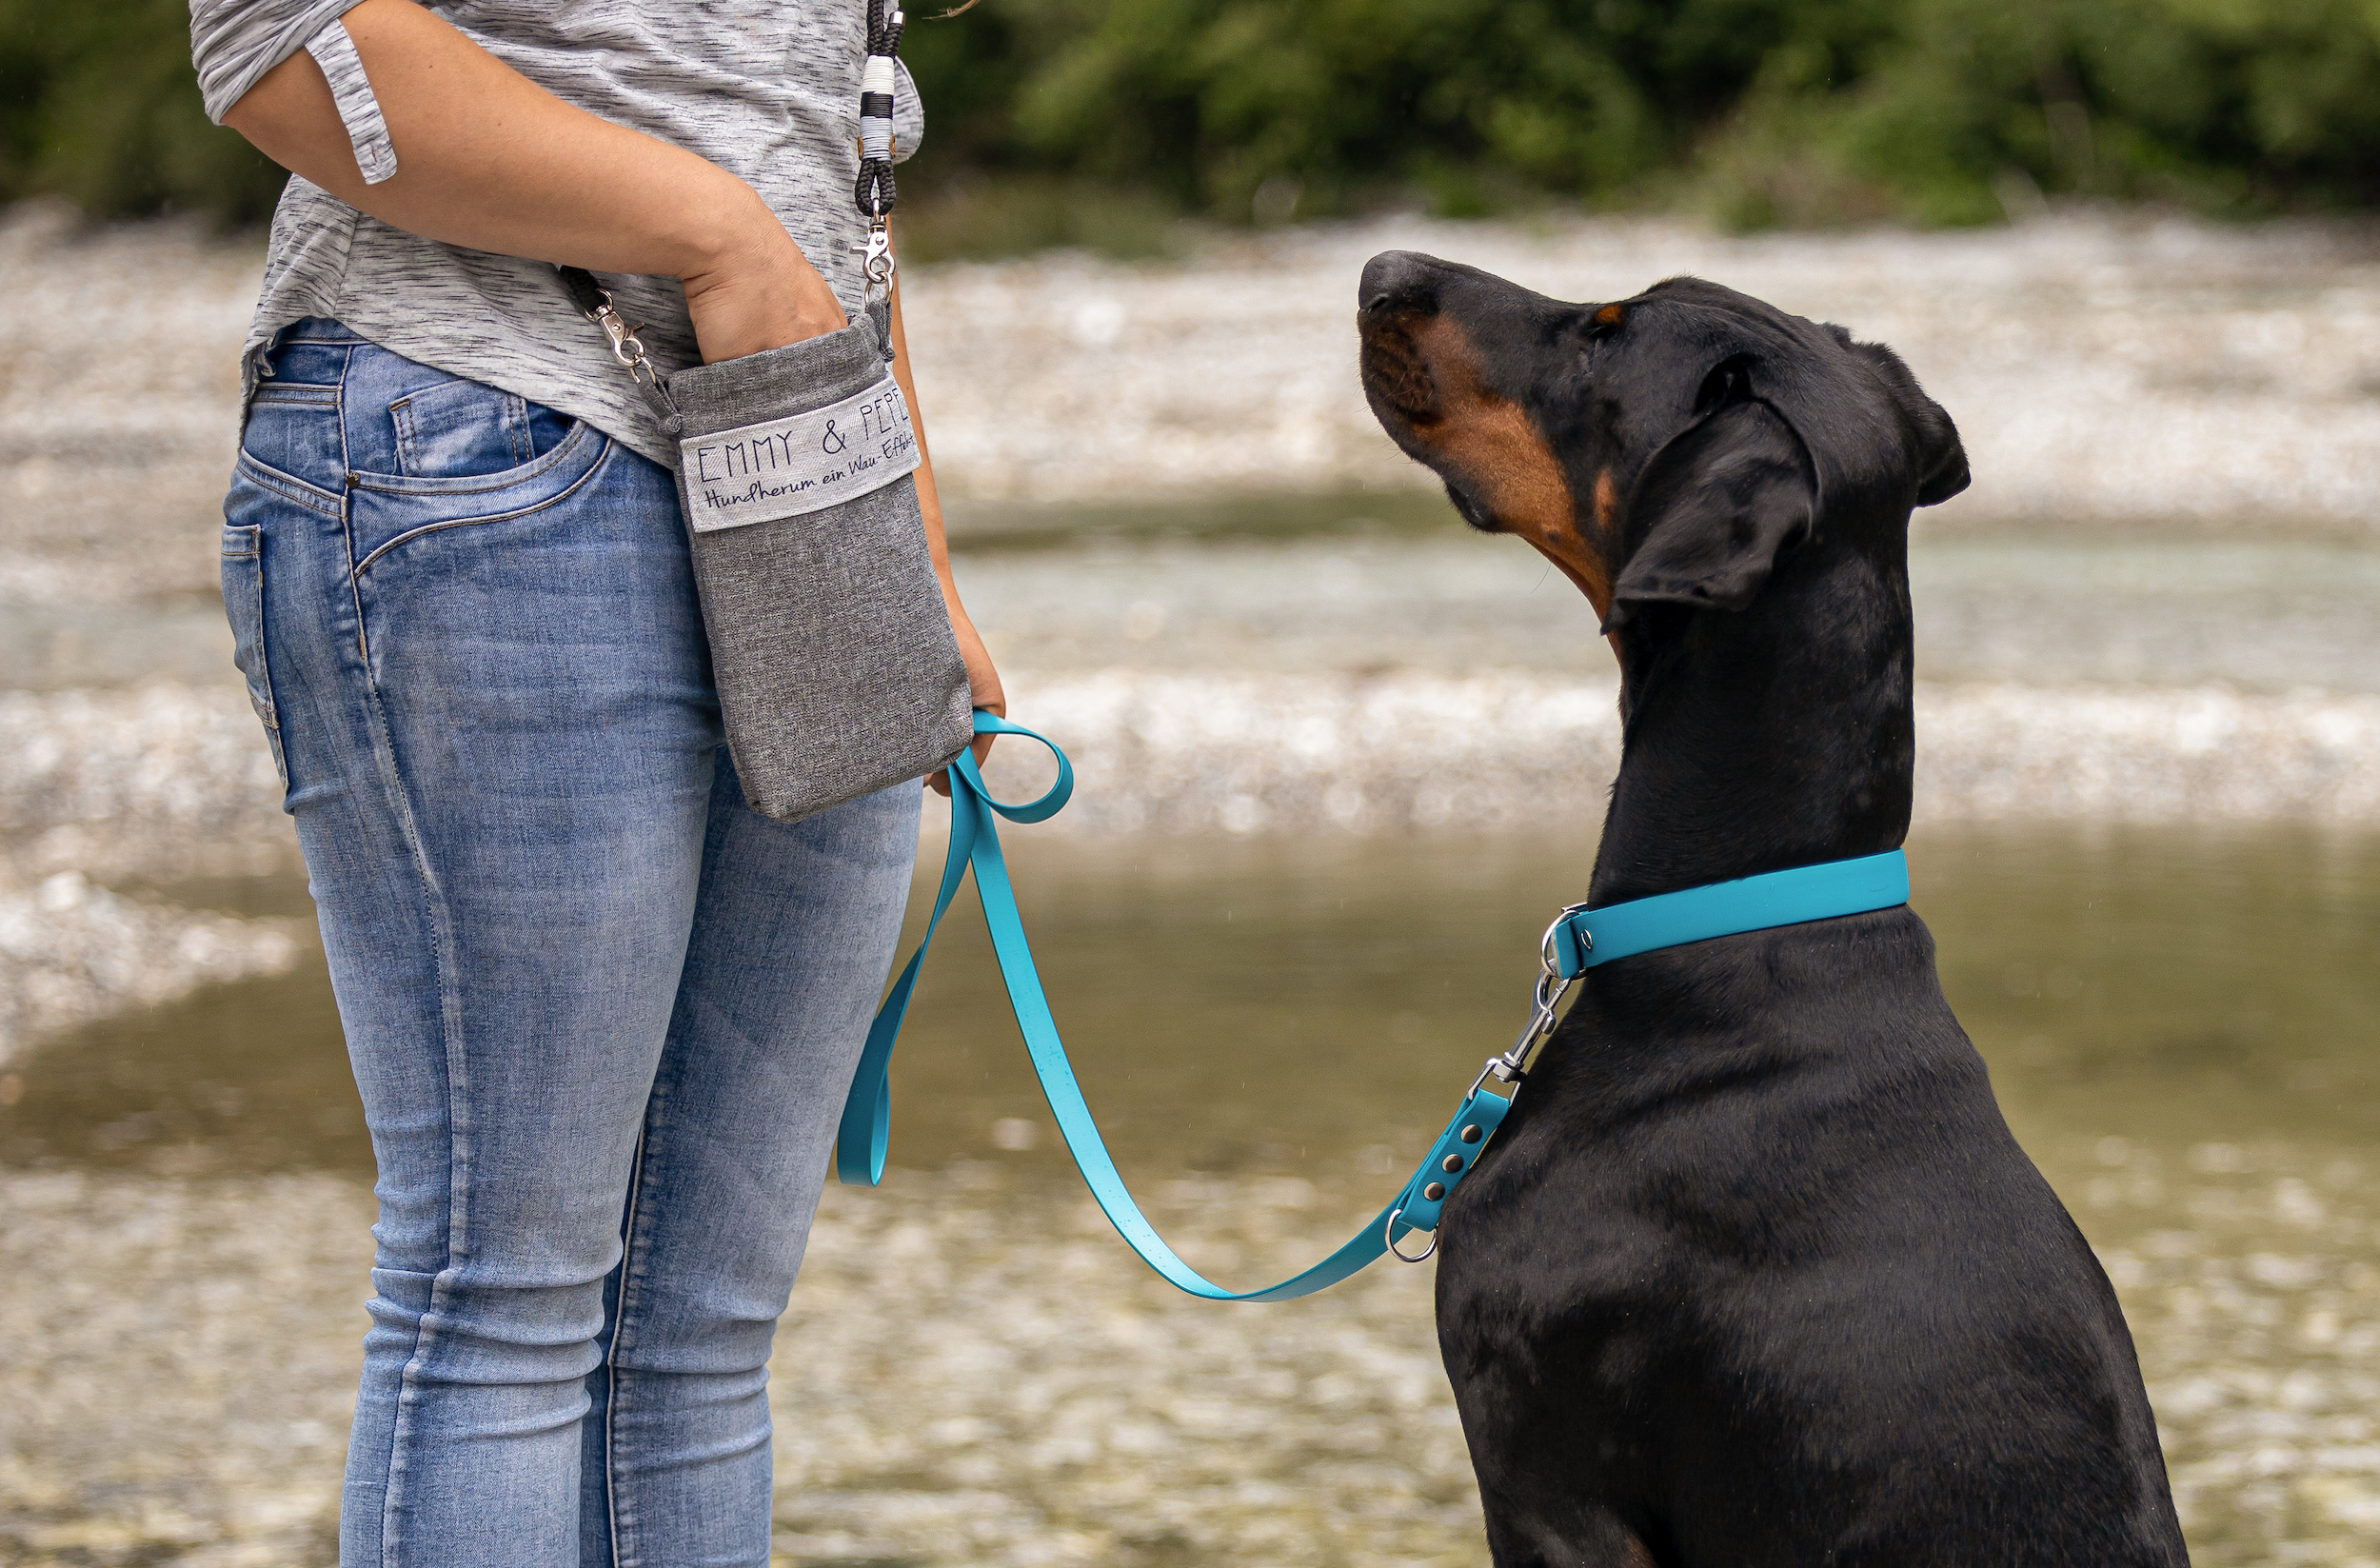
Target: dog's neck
x=1773 y=737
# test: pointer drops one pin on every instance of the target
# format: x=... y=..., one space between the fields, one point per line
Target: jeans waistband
x=316 y=330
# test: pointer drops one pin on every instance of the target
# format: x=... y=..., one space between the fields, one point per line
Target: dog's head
x=1661 y=449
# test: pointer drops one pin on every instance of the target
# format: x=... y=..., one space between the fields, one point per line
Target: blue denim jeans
x=602 y=1015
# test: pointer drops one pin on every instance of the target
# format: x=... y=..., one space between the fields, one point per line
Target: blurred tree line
x=98 y=104
x=1059 y=119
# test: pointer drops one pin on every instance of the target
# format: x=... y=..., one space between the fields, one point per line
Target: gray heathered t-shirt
x=768 y=90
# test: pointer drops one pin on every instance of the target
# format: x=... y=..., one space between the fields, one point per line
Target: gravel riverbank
x=105 y=796
x=171 y=783
x=975 y=1374
x=2106 y=369
x=2103 y=369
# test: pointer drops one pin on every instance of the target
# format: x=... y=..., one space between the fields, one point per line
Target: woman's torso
x=766 y=88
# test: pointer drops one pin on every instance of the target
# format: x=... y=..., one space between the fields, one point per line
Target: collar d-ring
x=1389 y=1231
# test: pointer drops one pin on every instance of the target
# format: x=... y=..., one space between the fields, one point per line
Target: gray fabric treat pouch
x=837 y=670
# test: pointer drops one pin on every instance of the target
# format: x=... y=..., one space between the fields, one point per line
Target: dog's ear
x=1711 y=511
x=1941 y=457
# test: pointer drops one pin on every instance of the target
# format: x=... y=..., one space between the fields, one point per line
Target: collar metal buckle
x=1545 y=998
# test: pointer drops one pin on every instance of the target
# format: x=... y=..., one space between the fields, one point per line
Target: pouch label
x=789 y=467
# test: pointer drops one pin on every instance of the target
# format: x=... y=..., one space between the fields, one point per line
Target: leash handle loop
x=1043 y=806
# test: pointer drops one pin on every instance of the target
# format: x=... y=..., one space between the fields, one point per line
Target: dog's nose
x=1396 y=280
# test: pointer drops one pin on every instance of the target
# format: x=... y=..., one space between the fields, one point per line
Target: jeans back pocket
x=244 y=604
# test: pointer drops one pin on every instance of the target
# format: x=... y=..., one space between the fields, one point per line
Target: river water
x=2182 y=1026
x=2171 y=973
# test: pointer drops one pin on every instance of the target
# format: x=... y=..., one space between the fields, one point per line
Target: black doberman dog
x=1754 y=1273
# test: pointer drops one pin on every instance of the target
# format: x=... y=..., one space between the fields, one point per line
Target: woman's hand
x=982 y=682
x=759 y=291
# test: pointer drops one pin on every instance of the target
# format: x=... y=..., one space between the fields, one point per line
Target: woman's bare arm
x=487 y=159
x=982 y=677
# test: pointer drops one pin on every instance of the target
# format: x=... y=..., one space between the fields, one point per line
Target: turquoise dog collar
x=1585 y=938
x=1579 y=940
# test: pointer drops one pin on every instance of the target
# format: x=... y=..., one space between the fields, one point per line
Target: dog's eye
x=1730 y=381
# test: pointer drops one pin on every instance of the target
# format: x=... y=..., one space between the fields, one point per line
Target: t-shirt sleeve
x=234 y=42
x=359 y=110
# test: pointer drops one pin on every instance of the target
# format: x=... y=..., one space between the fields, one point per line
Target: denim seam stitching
x=392 y=1488
x=346 y=458
x=249 y=561
x=401 y=415
x=454 y=1061
x=346 y=535
x=509 y=478
x=289 y=487
x=611 y=1352
x=564 y=494
x=255 y=551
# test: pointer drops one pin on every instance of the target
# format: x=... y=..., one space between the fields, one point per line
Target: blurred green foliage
x=1762 y=111
x=98 y=104
x=1096 y=121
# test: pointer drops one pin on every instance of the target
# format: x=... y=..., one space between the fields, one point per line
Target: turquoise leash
x=1579 y=940
x=866 y=1117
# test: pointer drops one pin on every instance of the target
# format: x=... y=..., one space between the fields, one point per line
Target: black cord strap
x=874 y=192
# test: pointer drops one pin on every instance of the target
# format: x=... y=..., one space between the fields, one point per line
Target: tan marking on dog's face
x=1636 y=1555
x=1490 y=445
x=1610 y=315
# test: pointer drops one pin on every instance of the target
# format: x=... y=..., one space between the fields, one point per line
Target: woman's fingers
x=983 y=689
x=764 y=294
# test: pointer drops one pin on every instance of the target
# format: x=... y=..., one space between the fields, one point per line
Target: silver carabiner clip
x=625 y=346
x=876 y=258
x=1544 y=997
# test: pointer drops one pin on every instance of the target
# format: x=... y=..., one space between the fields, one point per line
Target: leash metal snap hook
x=1545 y=943
x=1551 y=986
x=877 y=264
x=1388 y=1233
